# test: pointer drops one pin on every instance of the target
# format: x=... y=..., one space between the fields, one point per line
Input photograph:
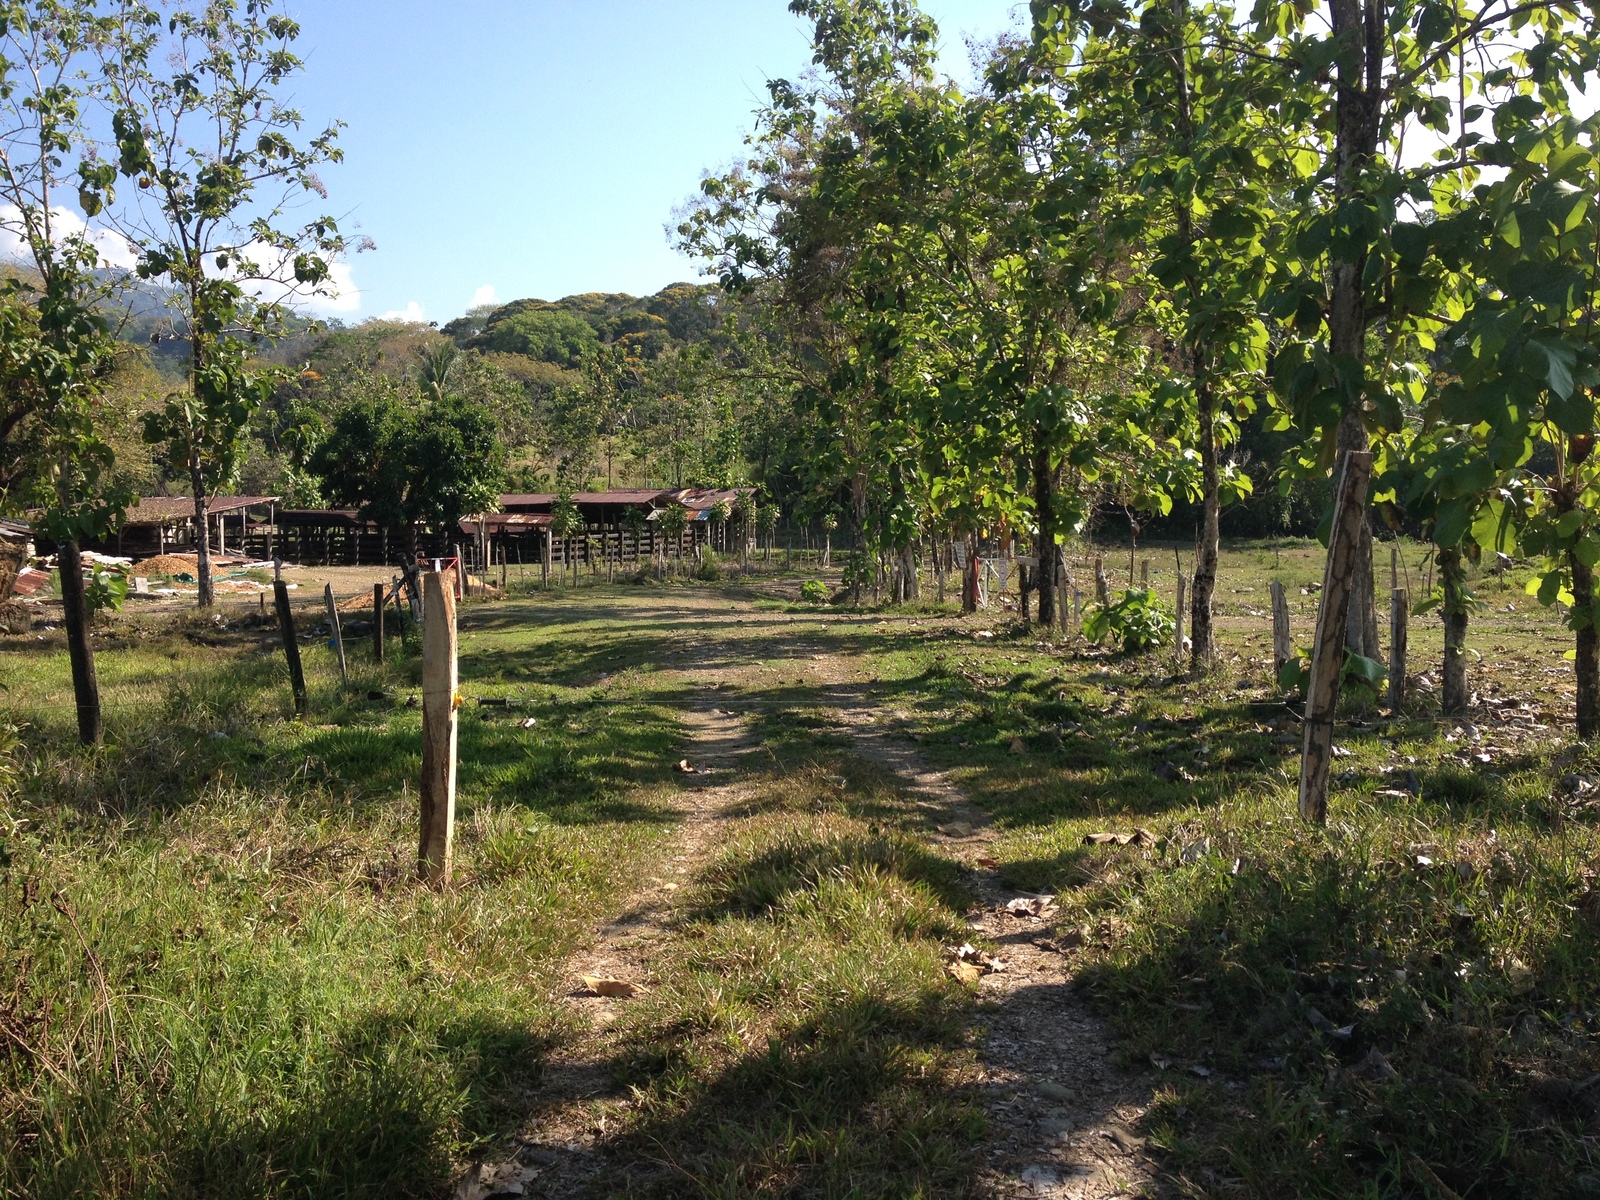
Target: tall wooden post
x=439 y=701
x=1399 y=612
x=338 y=632
x=1102 y=586
x=544 y=565
x=291 y=644
x=1328 y=651
x=377 y=621
x=1282 y=643
x=1177 y=638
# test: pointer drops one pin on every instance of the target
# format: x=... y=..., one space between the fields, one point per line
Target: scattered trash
x=1159 y=1063
x=1200 y=1072
x=1139 y=837
x=984 y=635
x=1041 y=1181
x=1375 y=1067
x=1193 y=854
x=1031 y=906
x=685 y=767
x=530 y=722
x=616 y=989
x=1343 y=752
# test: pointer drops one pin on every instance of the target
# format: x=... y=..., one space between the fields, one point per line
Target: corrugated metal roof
x=159 y=510
x=507 y=522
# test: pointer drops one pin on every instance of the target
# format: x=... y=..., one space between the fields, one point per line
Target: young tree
x=202 y=124
x=55 y=347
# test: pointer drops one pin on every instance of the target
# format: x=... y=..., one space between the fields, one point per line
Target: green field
x=222 y=978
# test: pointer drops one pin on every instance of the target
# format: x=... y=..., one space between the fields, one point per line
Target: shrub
x=814 y=591
x=1138 y=621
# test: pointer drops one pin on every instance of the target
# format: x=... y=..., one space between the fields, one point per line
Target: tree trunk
x=1044 y=500
x=202 y=543
x=1203 y=648
x=1588 y=645
x=969 y=577
x=85 y=683
x=1454 y=577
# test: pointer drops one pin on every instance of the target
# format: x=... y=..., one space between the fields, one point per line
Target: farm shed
x=164 y=524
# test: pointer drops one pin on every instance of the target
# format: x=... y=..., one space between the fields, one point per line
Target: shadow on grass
x=383 y=1110
x=1360 y=1011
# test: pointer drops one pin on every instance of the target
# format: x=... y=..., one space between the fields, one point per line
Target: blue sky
x=538 y=147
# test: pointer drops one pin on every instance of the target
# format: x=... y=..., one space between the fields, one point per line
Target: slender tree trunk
x=85 y=682
x=1588 y=645
x=202 y=523
x=1203 y=648
x=1454 y=577
x=1044 y=500
x=969 y=577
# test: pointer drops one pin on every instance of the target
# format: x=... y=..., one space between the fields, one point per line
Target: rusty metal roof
x=160 y=510
x=507 y=522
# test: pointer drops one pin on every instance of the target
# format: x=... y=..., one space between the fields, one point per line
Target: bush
x=814 y=591
x=1138 y=621
x=707 y=569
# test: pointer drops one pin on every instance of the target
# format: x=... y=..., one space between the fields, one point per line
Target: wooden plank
x=439 y=701
x=1282 y=642
x=338 y=632
x=291 y=644
x=1399 y=614
x=1339 y=580
x=378 y=605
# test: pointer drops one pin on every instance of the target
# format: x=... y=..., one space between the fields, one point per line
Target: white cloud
x=411 y=313
x=114 y=250
x=485 y=295
x=343 y=296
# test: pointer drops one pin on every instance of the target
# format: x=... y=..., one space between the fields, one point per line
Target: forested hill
x=561 y=331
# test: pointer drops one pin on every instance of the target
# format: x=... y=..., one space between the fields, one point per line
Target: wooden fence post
x=1399 y=613
x=338 y=631
x=1328 y=650
x=377 y=621
x=291 y=645
x=1077 y=612
x=438 y=729
x=1144 y=574
x=544 y=563
x=1102 y=586
x=1282 y=643
x=1177 y=640
x=463 y=580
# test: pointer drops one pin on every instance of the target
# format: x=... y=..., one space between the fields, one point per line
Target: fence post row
x=439 y=682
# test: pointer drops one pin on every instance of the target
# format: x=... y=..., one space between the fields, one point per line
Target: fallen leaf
x=988 y=862
x=1108 y=839
x=1193 y=854
x=1018 y=746
x=1030 y=906
x=1143 y=837
x=965 y=972
x=615 y=988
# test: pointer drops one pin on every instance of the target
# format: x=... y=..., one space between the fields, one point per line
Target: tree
x=200 y=122
x=405 y=464
x=636 y=523
x=565 y=522
x=55 y=347
x=548 y=335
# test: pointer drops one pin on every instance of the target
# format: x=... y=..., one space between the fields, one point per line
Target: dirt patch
x=1063 y=1116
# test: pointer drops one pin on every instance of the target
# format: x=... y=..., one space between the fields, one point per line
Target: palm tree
x=434 y=364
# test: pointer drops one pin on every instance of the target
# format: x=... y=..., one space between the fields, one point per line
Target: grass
x=222 y=979
x=1403 y=1001
x=805 y=1039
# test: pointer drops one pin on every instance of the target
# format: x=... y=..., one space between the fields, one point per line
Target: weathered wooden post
x=291 y=644
x=1399 y=614
x=1282 y=643
x=338 y=631
x=463 y=580
x=1077 y=612
x=377 y=621
x=1144 y=575
x=544 y=564
x=1177 y=639
x=1328 y=651
x=438 y=729
x=1102 y=586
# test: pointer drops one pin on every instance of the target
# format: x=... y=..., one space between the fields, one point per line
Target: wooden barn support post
x=1399 y=612
x=1328 y=651
x=377 y=621
x=439 y=702
x=291 y=644
x=338 y=631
